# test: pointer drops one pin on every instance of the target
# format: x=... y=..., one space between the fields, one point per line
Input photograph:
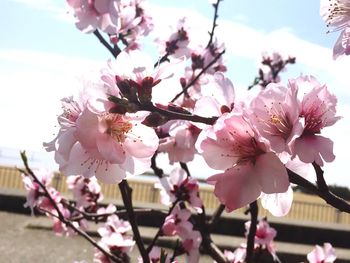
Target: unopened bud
x=155 y=119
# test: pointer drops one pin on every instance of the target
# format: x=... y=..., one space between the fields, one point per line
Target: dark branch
x=216 y=215
x=211 y=34
x=171 y=115
x=329 y=197
x=115 y=51
x=185 y=167
x=159 y=232
x=253 y=210
x=157 y=171
x=194 y=80
x=60 y=216
x=126 y=192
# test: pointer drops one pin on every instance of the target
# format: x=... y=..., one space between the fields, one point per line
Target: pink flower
x=264 y=237
x=104 y=144
x=86 y=191
x=342 y=45
x=325 y=254
x=318 y=110
x=180 y=187
x=250 y=168
x=155 y=256
x=190 y=243
x=180 y=144
x=278 y=204
x=237 y=256
x=35 y=194
x=177 y=222
x=133 y=23
x=114 y=225
x=336 y=14
x=176 y=44
x=275 y=114
x=116 y=244
x=217 y=97
x=93 y=14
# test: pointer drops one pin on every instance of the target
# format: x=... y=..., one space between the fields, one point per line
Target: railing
x=144 y=191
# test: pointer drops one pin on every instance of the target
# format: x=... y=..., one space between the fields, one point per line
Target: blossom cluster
x=183 y=105
x=124 y=20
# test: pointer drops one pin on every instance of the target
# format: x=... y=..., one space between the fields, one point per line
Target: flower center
x=339 y=14
x=117 y=128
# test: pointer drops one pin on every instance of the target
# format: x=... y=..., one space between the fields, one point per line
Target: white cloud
x=32 y=85
x=59 y=9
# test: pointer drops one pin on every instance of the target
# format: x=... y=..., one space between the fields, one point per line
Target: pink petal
x=278 y=204
x=111 y=150
x=271 y=173
x=312 y=148
x=236 y=187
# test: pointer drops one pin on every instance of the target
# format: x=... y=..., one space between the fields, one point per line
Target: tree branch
x=115 y=51
x=253 y=210
x=194 y=80
x=329 y=197
x=126 y=192
x=211 y=34
x=159 y=232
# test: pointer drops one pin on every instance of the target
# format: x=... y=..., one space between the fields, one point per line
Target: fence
x=144 y=191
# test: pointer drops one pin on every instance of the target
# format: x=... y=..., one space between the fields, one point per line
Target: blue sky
x=43 y=58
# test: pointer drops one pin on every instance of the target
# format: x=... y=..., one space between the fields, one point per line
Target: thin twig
x=321 y=183
x=126 y=192
x=60 y=216
x=253 y=210
x=84 y=235
x=115 y=51
x=329 y=197
x=42 y=186
x=172 y=115
x=185 y=167
x=157 y=171
x=207 y=243
x=211 y=34
x=194 y=80
x=216 y=215
x=159 y=232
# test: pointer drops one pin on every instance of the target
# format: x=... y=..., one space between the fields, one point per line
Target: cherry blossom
x=237 y=256
x=191 y=241
x=325 y=254
x=133 y=23
x=318 y=110
x=342 y=45
x=176 y=44
x=116 y=244
x=264 y=236
x=275 y=114
x=177 y=222
x=250 y=168
x=180 y=144
x=35 y=194
x=104 y=144
x=155 y=256
x=86 y=191
x=178 y=186
x=95 y=14
x=114 y=225
x=336 y=14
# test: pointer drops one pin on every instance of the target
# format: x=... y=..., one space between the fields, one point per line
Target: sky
x=44 y=58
